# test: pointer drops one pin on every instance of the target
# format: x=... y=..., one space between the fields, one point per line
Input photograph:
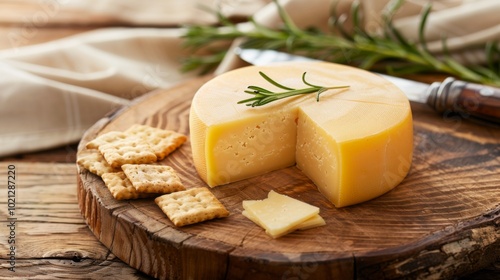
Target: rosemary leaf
x=273 y=81
x=264 y=96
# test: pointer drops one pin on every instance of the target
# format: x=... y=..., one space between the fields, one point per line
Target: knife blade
x=468 y=100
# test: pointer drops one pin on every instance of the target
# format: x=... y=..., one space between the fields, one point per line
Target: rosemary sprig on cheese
x=264 y=96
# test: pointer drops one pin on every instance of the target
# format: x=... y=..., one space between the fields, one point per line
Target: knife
x=466 y=99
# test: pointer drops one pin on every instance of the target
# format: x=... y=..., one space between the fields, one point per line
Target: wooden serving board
x=442 y=221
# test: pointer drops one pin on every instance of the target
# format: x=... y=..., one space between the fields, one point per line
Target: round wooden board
x=443 y=220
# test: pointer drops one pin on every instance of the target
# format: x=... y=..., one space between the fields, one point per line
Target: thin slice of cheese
x=312 y=222
x=280 y=214
x=355 y=144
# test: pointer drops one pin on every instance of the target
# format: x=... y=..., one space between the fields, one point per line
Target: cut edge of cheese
x=370 y=166
x=315 y=221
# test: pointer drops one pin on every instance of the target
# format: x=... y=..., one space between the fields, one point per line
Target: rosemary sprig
x=389 y=52
x=264 y=96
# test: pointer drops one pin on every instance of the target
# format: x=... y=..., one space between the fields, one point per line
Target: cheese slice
x=280 y=214
x=314 y=221
x=355 y=144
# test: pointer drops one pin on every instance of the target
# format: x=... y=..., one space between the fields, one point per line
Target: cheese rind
x=354 y=144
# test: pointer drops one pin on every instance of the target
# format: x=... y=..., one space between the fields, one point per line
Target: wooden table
x=52 y=239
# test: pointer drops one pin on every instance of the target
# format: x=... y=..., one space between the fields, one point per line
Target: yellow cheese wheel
x=355 y=144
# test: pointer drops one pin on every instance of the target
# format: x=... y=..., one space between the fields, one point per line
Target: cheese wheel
x=355 y=144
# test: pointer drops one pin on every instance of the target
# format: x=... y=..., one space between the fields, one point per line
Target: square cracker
x=106 y=138
x=128 y=150
x=148 y=178
x=93 y=161
x=191 y=206
x=121 y=188
x=162 y=141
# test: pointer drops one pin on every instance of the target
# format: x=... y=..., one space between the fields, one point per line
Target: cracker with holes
x=148 y=178
x=121 y=188
x=128 y=150
x=93 y=161
x=106 y=138
x=162 y=141
x=191 y=206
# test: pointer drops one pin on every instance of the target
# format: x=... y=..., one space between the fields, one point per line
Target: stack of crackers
x=127 y=162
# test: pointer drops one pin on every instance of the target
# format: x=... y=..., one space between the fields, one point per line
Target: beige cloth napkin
x=52 y=92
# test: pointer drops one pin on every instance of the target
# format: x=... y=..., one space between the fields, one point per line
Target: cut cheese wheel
x=355 y=144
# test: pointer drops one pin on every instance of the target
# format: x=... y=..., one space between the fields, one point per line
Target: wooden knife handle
x=467 y=99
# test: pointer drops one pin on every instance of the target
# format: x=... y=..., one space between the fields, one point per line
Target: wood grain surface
x=442 y=221
x=52 y=239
